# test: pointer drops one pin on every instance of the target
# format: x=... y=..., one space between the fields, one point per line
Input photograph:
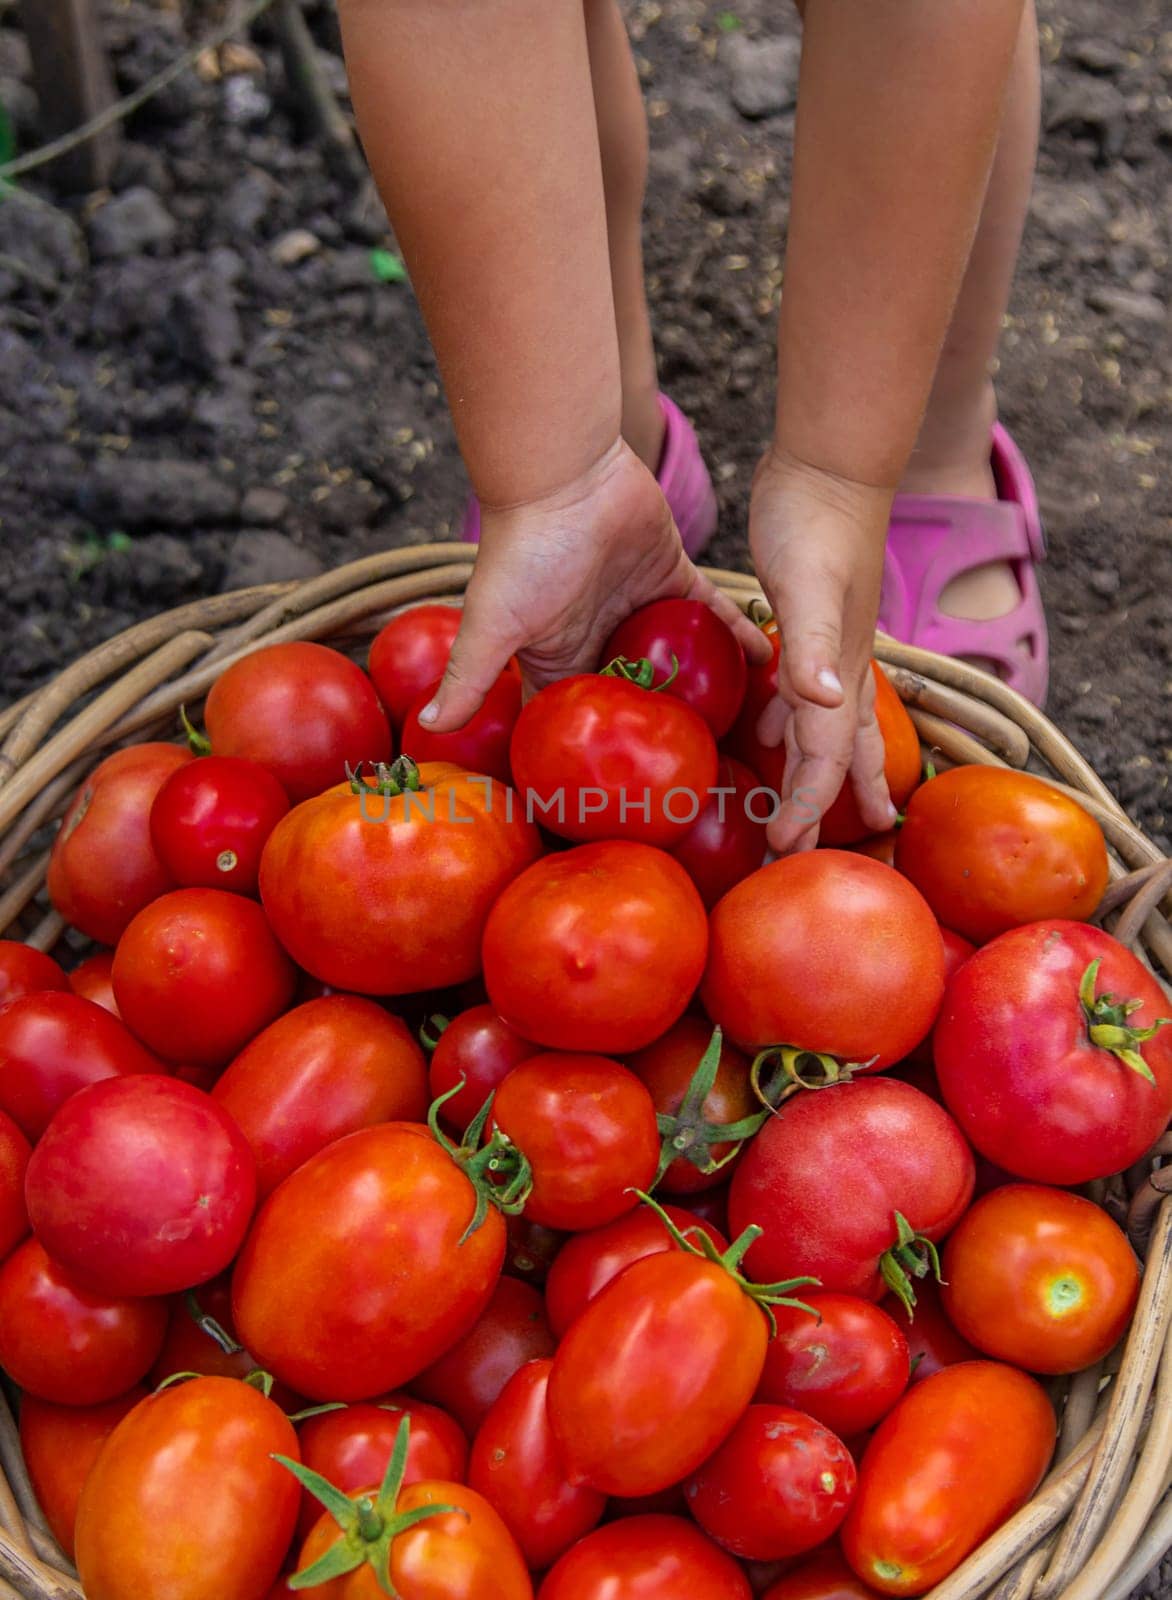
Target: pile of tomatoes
x=473 y=1172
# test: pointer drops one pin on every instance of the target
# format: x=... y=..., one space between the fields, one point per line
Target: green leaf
x=387 y=267
x=7 y=137
x=728 y=21
x=119 y=541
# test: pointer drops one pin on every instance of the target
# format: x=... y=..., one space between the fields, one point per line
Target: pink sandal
x=682 y=476
x=932 y=539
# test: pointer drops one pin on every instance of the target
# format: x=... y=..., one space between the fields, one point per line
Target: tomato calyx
x=391 y=778
x=369 y=1524
x=782 y=1070
x=1108 y=1027
x=498 y=1171
x=695 y=1242
x=431 y=1029
x=913 y=1255
x=641 y=672
x=686 y=1132
x=198 y=743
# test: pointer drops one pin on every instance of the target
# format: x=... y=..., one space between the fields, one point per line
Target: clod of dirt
x=133 y=221
x=764 y=74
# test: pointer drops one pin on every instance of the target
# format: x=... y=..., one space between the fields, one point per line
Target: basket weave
x=1103 y=1517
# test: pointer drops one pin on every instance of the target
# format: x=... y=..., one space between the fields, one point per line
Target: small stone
x=15 y=60
x=1127 y=304
x=264 y=507
x=248 y=202
x=1096 y=55
x=140 y=166
x=156 y=564
x=225 y=413
x=294 y=246
x=45 y=239
x=764 y=73
x=724 y=196
x=350 y=505
x=263 y=555
x=204 y=322
x=245 y=103
x=1104 y=581
x=324 y=421
x=130 y=223
x=1091 y=106
x=168 y=493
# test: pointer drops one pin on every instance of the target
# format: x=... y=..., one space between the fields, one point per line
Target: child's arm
x=899 y=108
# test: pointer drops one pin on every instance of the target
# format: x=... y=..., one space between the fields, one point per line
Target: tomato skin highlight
x=24 y=970
x=104 y=867
x=614 y=939
x=183 y=1218
x=778 y=1486
x=588 y=1127
x=382 y=895
x=210 y=820
x=992 y=849
x=961 y=1452
x=62 y=1343
x=207 y=1443
x=60 y=1445
x=516 y=1467
x=846 y=1370
x=511 y=1331
x=324 y=1069
x=335 y=1290
x=480 y=1048
x=672 y=1336
x=646 y=1558
x=903 y=1153
x=1017 y=1067
x=1040 y=1278
x=697 y=657
x=409 y=652
x=826 y=951
x=727 y=840
x=301 y=710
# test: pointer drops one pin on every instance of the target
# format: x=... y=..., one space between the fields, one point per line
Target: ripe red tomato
x=24 y=970
x=104 y=866
x=531 y=1249
x=846 y=1367
x=990 y=849
x=454 y=1555
x=597 y=949
x=389 y=894
x=410 y=652
x=52 y=1045
x=198 y=973
x=353 y=1446
x=667 y=1067
x=516 y=1467
x=824 y=1576
x=956 y=952
x=958 y=1455
x=727 y=840
x=651 y=1558
x=181 y=1219
x=511 y=1330
x=677 y=1336
x=92 y=979
x=905 y=1156
x=14 y=1155
x=589 y=1261
x=588 y=1128
x=480 y=1048
x=60 y=1445
x=826 y=951
x=205 y=1444
x=604 y=758
x=337 y=1289
x=62 y=1343
x=1040 y=1278
x=696 y=657
x=324 y=1069
x=300 y=709
x=189 y=1345
x=482 y=744
x=842 y=824
x=210 y=821
x=932 y=1341
x=1025 y=1053
x=779 y=1485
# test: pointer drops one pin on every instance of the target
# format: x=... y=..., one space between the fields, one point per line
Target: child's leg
x=622 y=137
x=952 y=452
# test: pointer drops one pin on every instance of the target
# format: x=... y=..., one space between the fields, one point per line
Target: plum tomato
x=648 y=1557
x=210 y=820
x=511 y=1330
x=410 y=652
x=846 y=1366
x=825 y=1576
x=60 y=1445
x=696 y=657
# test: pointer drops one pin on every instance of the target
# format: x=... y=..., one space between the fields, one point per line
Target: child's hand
x=817 y=543
x=554 y=578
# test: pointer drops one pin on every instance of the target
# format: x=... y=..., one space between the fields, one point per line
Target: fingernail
x=830 y=680
x=892 y=813
x=430 y=711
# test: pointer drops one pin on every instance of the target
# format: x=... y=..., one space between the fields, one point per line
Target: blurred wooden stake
x=73 y=84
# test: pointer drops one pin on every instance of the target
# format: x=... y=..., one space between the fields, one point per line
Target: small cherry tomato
x=210 y=820
x=511 y=1330
x=24 y=970
x=60 y=1445
x=778 y=1486
x=696 y=657
x=588 y=1128
x=647 y=1558
x=410 y=652
x=727 y=840
x=846 y=1367
x=480 y=1048
x=1040 y=1278
x=668 y=1068
x=516 y=1467
x=482 y=744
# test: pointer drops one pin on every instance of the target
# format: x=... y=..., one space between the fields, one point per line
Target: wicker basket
x=1103 y=1517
